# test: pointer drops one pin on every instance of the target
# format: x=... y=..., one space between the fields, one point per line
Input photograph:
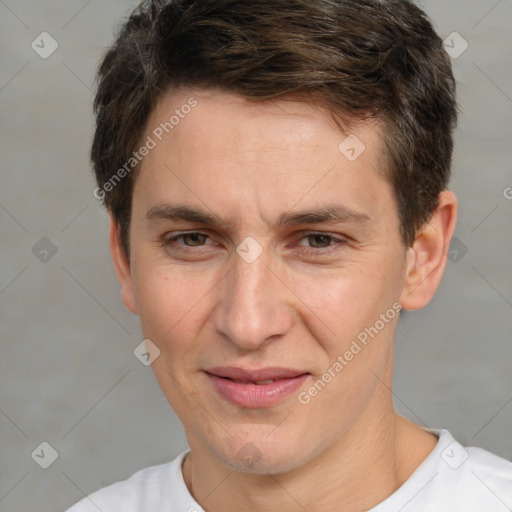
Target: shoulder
x=469 y=479
x=490 y=471
x=455 y=478
x=471 y=459
x=145 y=490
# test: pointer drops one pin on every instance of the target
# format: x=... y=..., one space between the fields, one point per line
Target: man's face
x=251 y=294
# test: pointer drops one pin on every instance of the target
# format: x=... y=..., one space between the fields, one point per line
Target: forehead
x=215 y=111
x=220 y=149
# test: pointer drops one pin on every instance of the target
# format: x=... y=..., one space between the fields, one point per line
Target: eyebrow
x=327 y=214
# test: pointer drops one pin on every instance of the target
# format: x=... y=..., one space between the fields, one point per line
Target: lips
x=255 y=388
x=255 y=376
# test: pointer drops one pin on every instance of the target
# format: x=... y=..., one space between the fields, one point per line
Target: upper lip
x=246 y=375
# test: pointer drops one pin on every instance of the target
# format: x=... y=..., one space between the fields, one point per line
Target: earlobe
x=426 y=259
x=122 y=267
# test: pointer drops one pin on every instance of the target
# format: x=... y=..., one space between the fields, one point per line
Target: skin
x=204 y=306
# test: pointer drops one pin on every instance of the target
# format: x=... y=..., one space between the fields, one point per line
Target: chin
x=260 y=455
x=268 y=464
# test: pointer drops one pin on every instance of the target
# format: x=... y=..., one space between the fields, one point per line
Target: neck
x=357 y=472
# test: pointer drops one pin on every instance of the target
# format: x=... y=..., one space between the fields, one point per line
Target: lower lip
x=254 y=396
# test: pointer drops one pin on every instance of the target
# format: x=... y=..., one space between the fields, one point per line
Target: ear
x=426 y=258
x=123 y=267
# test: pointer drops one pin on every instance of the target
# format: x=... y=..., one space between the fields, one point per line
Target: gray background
x=68 y=375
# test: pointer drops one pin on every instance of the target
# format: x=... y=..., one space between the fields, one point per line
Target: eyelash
x=337 y=241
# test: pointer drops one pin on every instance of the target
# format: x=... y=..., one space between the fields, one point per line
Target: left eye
x=322 y=240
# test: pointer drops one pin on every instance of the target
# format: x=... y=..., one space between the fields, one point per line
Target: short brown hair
x=361 y=58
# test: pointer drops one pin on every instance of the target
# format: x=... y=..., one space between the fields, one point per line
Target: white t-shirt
x=451 y=479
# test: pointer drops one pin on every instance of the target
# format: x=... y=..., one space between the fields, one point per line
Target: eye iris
x=325 y=237
x=193 y=236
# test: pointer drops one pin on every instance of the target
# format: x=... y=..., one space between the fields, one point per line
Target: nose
x=253 y=307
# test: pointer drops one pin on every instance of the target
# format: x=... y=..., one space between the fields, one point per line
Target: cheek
x=172 y=309
x=168 y=301
x=341 y=304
